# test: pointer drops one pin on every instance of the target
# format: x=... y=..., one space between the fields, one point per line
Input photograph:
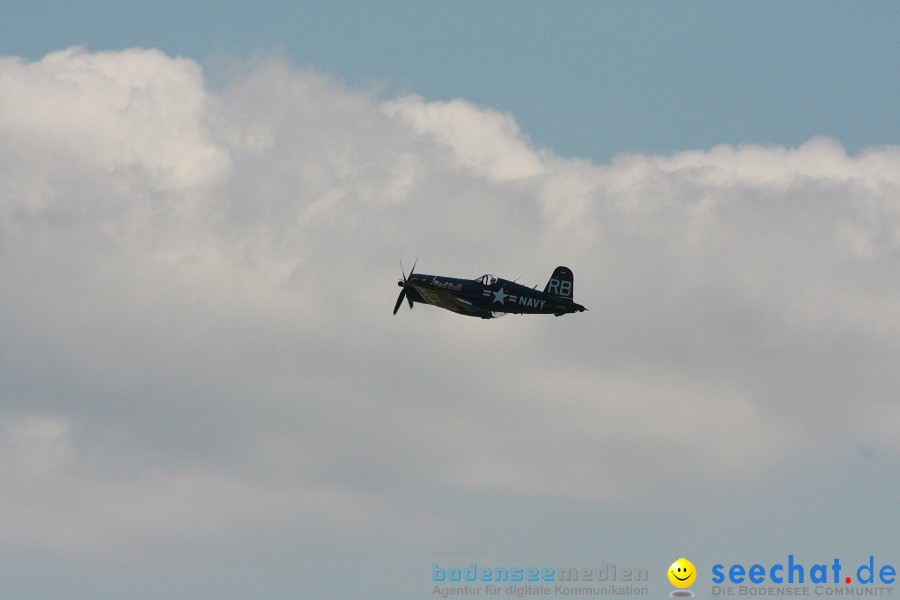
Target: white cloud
x=112 y=112
x=197 y=288
x=479 y=139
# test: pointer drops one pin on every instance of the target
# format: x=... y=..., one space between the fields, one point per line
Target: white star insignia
x=500 y=296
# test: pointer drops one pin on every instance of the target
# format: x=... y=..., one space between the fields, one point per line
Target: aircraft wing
x=444 y=299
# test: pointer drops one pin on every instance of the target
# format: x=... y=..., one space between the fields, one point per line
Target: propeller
x=405 y=285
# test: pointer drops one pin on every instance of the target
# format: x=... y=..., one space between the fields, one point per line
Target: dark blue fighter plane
x=489 y=296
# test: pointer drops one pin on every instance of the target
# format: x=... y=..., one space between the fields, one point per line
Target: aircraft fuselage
x=488 y=295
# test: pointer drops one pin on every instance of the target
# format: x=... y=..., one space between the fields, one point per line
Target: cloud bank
x=197 y=285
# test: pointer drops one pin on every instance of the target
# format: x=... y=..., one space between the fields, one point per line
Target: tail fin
x=560 y=283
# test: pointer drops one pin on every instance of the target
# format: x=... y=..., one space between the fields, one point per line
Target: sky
x=203 y=209
x=586 y=79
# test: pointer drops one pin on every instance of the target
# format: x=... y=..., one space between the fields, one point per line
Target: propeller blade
x=403 y=293
x=400 y=300
x=411 y=271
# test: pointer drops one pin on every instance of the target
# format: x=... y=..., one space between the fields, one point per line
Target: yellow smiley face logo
x=682 y=573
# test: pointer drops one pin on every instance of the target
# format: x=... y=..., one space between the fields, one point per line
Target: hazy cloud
x=197 y=284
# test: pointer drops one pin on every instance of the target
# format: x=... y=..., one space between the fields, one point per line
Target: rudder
x=561 y=283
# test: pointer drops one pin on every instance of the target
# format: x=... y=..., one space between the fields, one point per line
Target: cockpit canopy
x=487 y=280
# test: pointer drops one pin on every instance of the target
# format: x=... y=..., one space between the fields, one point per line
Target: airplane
x=489 y=296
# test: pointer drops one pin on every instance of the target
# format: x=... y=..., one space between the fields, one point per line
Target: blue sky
x=585 y=79
x=203 y=392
